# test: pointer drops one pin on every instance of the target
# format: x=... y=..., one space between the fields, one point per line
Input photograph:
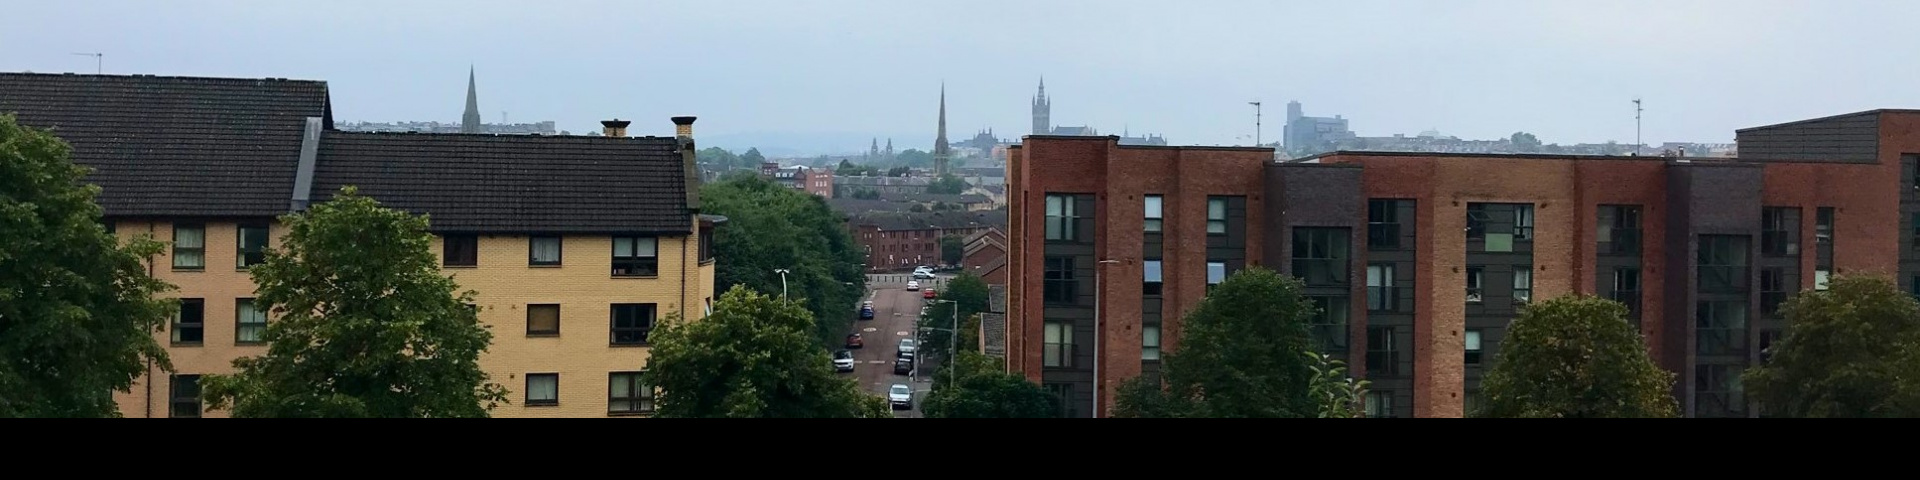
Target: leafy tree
x=721 y=160
x=969 y=293
x=914 y=158
x=1340 y=396
x=978 y=386
x=899 y=171
x=1525 y=141
x=755 y=357
x=947 y=185
x=1852 y=351
x=970 y=334
x=753 y=158
x=866 y=194
x=1243 y=354
x=951 y=249
x=367 y=325
x=1576 y=357
x=772 y=227
x=77 y=308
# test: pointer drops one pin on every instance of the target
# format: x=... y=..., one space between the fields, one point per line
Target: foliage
x=753 y=158
x=755 y=357
x=77 y=308
x=978 y=386
x=918 y=208
x=899 y=171
x=970 y=334
x=866 y=194
x=1851 y=351
x=914 y=158
x=1575 y=357
x=1243 y=354
x=1339 y=395
x=849 y=169
x=969 y=293
x=1525 y=141
x=947 y=185
x=772 y=227
x=721 y=160
x=366 y=324
x=951 y=249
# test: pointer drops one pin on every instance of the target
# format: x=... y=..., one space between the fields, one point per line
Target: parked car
x=843 y=361
x=907 y=348
x=923 y=272
x=854 y=341
x=928 y=293
x=913 y=286
x=866 y=311
x=900 y=397
x=903 y=366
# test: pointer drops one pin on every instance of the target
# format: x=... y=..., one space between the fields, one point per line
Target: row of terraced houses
x=1420 y=260
x=576 y=245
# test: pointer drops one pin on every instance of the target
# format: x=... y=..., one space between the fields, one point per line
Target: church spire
x=940 y=150
x=470 y=122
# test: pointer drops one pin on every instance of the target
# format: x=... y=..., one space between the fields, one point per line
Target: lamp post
x=783 y=281
x=1098 y=331
x=953 y=341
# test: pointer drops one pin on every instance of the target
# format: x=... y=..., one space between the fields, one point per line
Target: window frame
x=175 y=399
x=1323 y=256
x=200 y=250
x=533 y=250
x=180 y=322
x=1217 y=225
x=1522 y=284
x=642 y=396
x=1150 y=342
x=258 y=253
x=531 y=331
x=241 y=326
x=1381 y=294
x=1379 y=404
x=1476 y=284
x=1154 y=282
x=1619 y=229
x=459 y=250
x=1522 y=222
x=1473 y=342
x=1717 y=277
x=1154 y=215
x=1333 y=336
x=1731 y=338
x=544 y=402
x=651 y=318
x=1383 y=352
x=632 y=263
x=1057 y=345
x=1060 y=284
x=1779 y=231
x=1383 y=224
x=1062 y=217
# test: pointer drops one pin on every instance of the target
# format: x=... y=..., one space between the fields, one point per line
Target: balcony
x=1383 y=299
x=1624 y=241
x=1330 y=272
x=1724 y=279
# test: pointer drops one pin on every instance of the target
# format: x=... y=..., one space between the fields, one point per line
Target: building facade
x=569 y=285
x=899 y=241
x=1419 y=261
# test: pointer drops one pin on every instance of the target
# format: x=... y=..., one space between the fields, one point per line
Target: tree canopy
x=947 y=185
x=365 y=324
x=1851 y=351
x=754 y=357
x=1339 y=395
x=952 y=247
x=1243 y=354
x=1575 y=356
x=77 y=307
x=772 y=227
x=982 y=388
x=969 y=294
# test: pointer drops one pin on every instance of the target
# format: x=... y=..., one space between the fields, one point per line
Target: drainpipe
x=149 y=382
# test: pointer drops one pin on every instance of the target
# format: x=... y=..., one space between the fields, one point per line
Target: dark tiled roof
x=923 y=221
x=514 y=183
x=168 y=146
x=854 y=206
x=933 y=197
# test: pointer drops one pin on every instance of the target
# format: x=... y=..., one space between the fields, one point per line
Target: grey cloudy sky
x=838 y=72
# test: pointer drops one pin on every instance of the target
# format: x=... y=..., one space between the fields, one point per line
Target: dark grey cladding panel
x=1310 y=194
x=1718 y=198
x=1853 y=138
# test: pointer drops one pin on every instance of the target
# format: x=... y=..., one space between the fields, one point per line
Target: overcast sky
x=770 y=70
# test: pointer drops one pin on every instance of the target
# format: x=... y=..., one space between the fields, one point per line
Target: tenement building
x=1418 y=261
x=576 y=245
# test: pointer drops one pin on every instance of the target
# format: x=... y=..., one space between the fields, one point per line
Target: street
x=894 y=313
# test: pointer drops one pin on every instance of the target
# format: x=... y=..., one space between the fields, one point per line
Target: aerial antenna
x=1637 y=145
x=1256 y=122
x=503 y=117
x=99 y=61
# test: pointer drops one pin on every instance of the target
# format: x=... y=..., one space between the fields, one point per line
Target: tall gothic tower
x=941 y=153
x=470 y=122
x=1042 y=111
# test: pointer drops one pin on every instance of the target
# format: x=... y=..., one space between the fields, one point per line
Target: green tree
x=1243 y=354
x=866 y=194
x=914 y=158
x=1575 y=357
x=77 y=308
x=1526 y=142
x=753 y=158
x=367 y=325
x=978 y=386
x=970 y=334
x=772 y=227
x=947 y=185
x=1851 y=351
x=720 y=159
x=1339 y=395
x=899 y=171
x=755 y=357
x=951 y=249
x=969 y=293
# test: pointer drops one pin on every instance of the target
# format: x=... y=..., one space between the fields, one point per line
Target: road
x=894 y=312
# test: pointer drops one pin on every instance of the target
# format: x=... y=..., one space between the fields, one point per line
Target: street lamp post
x=1098 y=331
x=953 y=341
x=783 y=281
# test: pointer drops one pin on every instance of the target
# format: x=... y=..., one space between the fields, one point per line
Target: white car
x=907 y=348
x=913 y=286
x=900 y=396
x=923 y=272
x=843 y=361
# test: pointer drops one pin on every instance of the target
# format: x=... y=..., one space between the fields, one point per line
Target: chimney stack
x=615 y=127
x=689 y=160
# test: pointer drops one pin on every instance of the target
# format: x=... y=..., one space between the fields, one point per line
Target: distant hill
x=806 y=144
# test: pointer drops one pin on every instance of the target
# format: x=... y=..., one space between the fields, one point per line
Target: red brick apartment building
x=1420 y=260
x=903 y=240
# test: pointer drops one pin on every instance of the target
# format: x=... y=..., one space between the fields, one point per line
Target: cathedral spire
x=940 y=150
x=470 y=122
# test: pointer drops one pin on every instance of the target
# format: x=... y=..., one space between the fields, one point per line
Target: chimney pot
x=615 y=127
x=683 y=127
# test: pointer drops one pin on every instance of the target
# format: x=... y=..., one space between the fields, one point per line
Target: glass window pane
x=1217 y=209
x=622 y=246
x=1152 y=268
x=1499 y=242
x=1473 y=340
x=1820 y=278
x=647 y=247
x=1150 y=335
x=622 y=386
x=1054 y=205
x=193 y=237
x=1523 y=278
x=1153 y=206
x=1216 y=273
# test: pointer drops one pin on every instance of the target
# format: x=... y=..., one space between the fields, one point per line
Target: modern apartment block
x=576 y=245
x=1420 y=260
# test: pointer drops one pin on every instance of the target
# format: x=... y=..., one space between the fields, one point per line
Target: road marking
x=902 y=333
x=876 y=362
x=870 y=330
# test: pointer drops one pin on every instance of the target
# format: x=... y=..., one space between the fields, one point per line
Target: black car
x=903 y=366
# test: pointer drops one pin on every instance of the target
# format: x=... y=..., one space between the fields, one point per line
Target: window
x=1062 y=218
x=1476 y=221
x=250 y=323
x=189 y=246
x=1473 y=347
x=184 y=396
x=543 y=250
x=253 y=244
x=543 y=319
x=1820 y=278
x=628 y=393
x=1320 y=256
x=1151 y=285
x=1216 y=216
x=1063 y=396
x=1383 y=224
x=1058 y=351
x=1216 y=273
x=636 y=256
x=1150 y=342
x=1381 y=296
x=543 y=389
x=1717 y=391
x=1383 y=355
x=1723 y=264
x=631 y=323
x=1473 y=284
x=1619 y=229
x=1061 y=287
x=462 y=250
x=1626 y=289
x=1823 y=226
x=1773 y=290
x=1523 y=222
x=1154 y=204
x=1380 y=404
x=190 y=324
x=1522 y=284
x=1329 y=324
x=706 y=244
x=1780 y=231
x=1720 y=327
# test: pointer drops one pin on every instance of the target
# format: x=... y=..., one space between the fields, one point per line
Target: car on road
x=903 y=366
x=913 y=286
x=854 y=341
x=907 y=348
x=866 y=311
x=900 y=397
x=843 y=361
x=928 y=293
x=923 y=272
